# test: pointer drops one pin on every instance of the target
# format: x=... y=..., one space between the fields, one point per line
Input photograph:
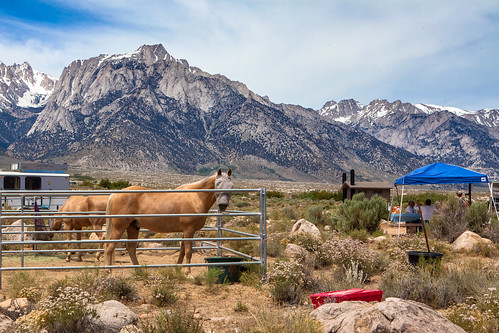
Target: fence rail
x=223 y=234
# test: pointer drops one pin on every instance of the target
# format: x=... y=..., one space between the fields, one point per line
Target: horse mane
x=198 y=184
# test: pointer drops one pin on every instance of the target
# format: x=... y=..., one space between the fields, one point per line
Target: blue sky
x=299 y=52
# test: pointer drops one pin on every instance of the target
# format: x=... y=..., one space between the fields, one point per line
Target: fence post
x=263 y=233
x=1 y=236
x=219 y=235
x=22 y=230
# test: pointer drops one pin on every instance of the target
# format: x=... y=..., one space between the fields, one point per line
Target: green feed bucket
x=229 y=273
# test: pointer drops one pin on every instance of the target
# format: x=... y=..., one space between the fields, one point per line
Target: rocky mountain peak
x=22 y=86
x=146 y=110
x=343 y=111
x=446 y=134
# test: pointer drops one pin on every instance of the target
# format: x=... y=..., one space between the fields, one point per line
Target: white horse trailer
x=12 y=182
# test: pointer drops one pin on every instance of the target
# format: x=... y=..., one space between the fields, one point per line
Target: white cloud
x=301 y=52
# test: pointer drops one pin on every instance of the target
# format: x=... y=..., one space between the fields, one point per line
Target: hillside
x=149 y=111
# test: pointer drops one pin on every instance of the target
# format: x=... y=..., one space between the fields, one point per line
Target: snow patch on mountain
x=25 y=87
x=38 y=92
x=430 y=108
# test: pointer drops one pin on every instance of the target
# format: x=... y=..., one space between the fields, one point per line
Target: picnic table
x=411 y=221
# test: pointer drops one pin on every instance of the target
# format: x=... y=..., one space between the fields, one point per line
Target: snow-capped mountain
x=23 y=92
x=22 y=86
x=440 y=133
x=148 y=110
x=350 y=111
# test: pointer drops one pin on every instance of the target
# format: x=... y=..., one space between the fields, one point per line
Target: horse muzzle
x=222 y=207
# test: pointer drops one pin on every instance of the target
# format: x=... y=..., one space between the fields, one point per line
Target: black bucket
x=229 y=273
x=414 y=256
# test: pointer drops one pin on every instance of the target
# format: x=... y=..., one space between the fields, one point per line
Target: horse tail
x=109 y=223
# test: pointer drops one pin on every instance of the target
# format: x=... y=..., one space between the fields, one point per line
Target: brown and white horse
x=82 y=204
x=165 y=203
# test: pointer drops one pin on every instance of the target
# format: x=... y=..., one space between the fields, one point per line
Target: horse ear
x=219 y=172
x=229 y=173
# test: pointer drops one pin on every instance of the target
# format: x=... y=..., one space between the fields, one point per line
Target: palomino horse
x=165 y=203
x=83 y=204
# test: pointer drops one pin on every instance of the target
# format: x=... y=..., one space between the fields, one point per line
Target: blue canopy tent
x=441 y=173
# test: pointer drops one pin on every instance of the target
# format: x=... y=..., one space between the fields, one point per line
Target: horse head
x=55 y=224
x=223 y=181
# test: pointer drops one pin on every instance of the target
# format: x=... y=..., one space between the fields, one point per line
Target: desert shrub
x=437 y=287
x=350 y=277
x=314 y=214
x=278 y=322
x=287 y=281
x=117 y=185
x=275 y=194
x=31 y=293
x=251 y=276
x=289 y=213
x=56 y=286
x=449 y=222
x=115 y=288
x=306 y=240
x=240 y=307
x=418 y=285
x=361 y=234
x=345 y=251
x=164 y=294
x=176 y=320
x=86 y=183
x=141 y=274
x=491 y=231
x=19 y=281
x=211 y=276
x=276 y=243
x=172 y=274
x=477 y=314
x=321 y=195
x=242 y=204
x=477 y=215
x=361 y=213
x=88 y=279
x=68 y=312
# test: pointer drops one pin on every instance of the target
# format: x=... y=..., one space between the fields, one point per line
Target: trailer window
x=11 y=183
x=33 y=183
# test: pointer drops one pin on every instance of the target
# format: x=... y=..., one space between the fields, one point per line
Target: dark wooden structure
x=368 y=188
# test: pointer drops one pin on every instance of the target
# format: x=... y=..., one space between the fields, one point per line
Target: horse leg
x=188 y=248
x=181 y=253
x=133 y=233
x=116 y=233
x=101 y=237
x=68 y=238
x=78 y=244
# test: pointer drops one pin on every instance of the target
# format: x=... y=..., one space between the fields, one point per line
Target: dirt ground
x=215 y=306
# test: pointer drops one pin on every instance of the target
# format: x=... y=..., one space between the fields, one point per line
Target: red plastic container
x=339 y=296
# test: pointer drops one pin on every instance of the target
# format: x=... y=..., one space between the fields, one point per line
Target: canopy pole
x=400 y=214
x=492 y=200
x=469 y=194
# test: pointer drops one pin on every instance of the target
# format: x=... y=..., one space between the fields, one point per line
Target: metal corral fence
x=28 y=242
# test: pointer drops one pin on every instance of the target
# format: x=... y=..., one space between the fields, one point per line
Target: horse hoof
x=68 y=260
